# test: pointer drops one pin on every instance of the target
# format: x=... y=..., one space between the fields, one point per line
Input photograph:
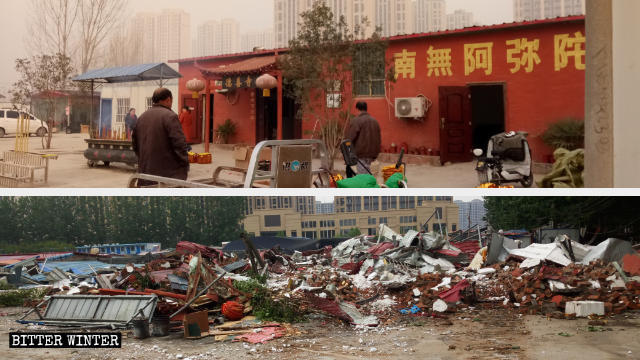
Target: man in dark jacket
x=364 y=133
x=158 y=140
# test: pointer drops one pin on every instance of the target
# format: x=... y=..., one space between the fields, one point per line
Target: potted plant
x=226 y=130
x=567 y=133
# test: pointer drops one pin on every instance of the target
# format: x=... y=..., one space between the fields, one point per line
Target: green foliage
x=321 y=61
x=612 y=216
x=265 y=307
x=354 y=232
x=30 y=224
x=566 y=133
x=19 y=297
x=226 y=130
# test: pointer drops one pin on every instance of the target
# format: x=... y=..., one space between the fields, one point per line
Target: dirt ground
x=468 y=334
x=71 y=169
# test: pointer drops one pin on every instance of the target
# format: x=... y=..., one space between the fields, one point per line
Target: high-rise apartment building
x=430 y=15
x=218 y=37
x=163 y=36
x=257 y=39
x=471 y=213
x=459 y=19
x=525 y=10
x=393 y=16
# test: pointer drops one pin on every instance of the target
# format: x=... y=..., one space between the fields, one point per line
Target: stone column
x=599 y=164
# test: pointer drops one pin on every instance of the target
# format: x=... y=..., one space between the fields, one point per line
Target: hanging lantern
x=266 y=82
x=195 y=86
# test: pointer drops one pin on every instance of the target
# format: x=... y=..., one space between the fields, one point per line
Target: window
x=437 y=227
x=309 y=234
x=454 y=227
x=404 y=229
x=439 y=212
x=124 y=104
x=149 y=103
x=294 y=233
x=371 y=231
x=408 y=219
x=371 y=221
x=407 y=202
x=272 y=220
x=12 y=114
x=1 y=113
x=327 y=234
x=383 y=220
x=369 y=71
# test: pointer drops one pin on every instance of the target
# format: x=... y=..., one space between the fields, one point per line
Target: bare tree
x=123 y=48
x=98 y=18
x=52 y=29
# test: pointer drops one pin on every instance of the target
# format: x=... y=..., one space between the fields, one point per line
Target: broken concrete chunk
x=440 y=306
x=416 y=292
x=486 y=271
x=584 y=308
x=529 y=263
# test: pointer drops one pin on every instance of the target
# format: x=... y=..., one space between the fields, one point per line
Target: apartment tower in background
x=525 y=10
x=162 y=36
x=459 y=19
x=430 y=15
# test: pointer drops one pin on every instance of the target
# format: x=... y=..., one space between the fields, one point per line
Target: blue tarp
x=144 y=72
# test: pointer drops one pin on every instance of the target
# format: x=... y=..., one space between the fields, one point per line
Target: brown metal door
x=455 y=124
x=196 y=114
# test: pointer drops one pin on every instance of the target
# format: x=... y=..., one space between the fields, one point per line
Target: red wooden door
x=455 y=124
x=195 y=134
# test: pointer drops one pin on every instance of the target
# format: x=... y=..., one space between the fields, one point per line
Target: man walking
x=158 y=140
x=364 y=133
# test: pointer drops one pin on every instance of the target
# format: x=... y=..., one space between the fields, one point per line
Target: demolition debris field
x=419 y=295
x=477 y=334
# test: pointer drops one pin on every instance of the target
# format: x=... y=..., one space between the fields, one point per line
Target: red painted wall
x=240 y=107
x=532 y=100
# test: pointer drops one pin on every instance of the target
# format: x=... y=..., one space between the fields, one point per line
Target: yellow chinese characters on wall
x=566 y=47
x=522 y=53
x=439 y=62
x=477 y=57
x=405 y=64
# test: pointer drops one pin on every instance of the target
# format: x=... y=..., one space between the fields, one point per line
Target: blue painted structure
x=120 y=249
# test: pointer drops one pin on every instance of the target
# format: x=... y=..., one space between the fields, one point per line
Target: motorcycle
x=508 y=160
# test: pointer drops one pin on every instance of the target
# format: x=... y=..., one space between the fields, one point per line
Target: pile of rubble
x=365 y=281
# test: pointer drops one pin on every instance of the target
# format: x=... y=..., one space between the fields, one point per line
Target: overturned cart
x=108 y=144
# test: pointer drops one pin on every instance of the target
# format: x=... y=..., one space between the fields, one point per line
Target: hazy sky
x=252 y=15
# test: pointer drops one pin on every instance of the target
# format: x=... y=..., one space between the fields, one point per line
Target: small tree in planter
x=43 y=74
x=567 y=133
x=226 y=130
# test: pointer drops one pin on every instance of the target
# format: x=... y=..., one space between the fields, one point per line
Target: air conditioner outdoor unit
x=411 y=107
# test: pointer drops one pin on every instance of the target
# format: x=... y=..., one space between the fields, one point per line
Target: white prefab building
x=116 y=100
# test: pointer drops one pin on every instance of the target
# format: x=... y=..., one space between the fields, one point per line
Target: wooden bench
x=12 y=175
x=30 y=161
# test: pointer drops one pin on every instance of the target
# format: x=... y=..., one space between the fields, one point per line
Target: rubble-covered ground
x=469 y=334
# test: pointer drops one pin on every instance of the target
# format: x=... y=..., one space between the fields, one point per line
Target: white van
x=9 y=124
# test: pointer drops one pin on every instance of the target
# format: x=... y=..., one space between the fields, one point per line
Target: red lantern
x=266 y=82
x=195 y=86
x=233 y=310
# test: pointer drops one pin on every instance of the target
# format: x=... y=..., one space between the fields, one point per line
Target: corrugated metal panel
x=78 y=267
x=141 y=72
x=98 y=309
